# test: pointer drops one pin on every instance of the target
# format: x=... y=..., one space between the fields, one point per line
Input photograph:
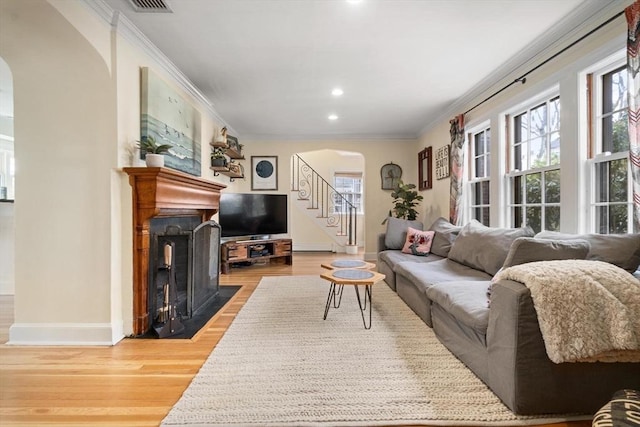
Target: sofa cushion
x=446 y=234
x=397 y=231
x=464 y=300
x=394 y=257
x=418 y=242
x=485 y=248
x=444 y=270
x=622 y=250
x=529 y=249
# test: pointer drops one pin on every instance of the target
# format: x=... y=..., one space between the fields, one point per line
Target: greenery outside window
x=349 y=187
x=534 y=166
x=611 y=207
x=479 y=175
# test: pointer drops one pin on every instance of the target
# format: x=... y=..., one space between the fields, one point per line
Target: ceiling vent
x=151 y=6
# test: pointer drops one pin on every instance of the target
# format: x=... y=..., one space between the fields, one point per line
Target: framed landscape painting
x=170 y=119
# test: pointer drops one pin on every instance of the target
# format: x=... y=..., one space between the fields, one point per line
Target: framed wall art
x=424 y=169
x=170 y=119
x=442 y=162
x=264 y=172
x=390 y=175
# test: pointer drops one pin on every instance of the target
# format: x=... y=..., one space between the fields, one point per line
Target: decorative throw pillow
x=622 y=250
x=418 y=242
x=529 y=249
x=446 y=234
x=485 y=248
x=397 y=232
x=620 y=411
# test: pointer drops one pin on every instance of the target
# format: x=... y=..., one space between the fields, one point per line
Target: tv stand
x=240 y=251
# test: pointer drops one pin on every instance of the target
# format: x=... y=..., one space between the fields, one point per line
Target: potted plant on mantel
x=217 y=158
x=154 y=152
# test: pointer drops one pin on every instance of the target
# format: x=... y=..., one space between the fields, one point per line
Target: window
x=611 y=196
x=534 y=167
x=349 y=188
x=479 y=175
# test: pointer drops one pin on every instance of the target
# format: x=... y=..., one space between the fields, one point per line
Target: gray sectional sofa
x=493 y=327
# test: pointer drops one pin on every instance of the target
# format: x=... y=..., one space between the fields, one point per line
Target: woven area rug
x=281 y=364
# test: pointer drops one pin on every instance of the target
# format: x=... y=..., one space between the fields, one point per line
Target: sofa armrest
x=518 y=361
x=380 y=243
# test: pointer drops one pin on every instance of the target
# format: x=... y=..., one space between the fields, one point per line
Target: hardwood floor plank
x=134 y=383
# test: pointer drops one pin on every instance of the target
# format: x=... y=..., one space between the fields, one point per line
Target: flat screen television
x=252 y=214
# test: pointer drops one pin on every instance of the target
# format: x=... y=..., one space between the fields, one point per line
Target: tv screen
x=252 y=214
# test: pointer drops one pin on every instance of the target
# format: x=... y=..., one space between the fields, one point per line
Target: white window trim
x=605 y=66
x=468 y=182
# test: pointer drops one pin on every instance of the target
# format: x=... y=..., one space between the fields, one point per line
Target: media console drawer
x=254 y=250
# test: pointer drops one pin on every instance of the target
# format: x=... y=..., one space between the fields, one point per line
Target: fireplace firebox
x=183 y=269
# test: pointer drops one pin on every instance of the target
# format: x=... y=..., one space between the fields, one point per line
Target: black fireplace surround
x=195 y=265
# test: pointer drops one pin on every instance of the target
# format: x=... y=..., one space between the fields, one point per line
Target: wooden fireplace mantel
x=162 y=192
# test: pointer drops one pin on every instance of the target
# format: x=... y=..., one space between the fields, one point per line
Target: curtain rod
x=523 y=78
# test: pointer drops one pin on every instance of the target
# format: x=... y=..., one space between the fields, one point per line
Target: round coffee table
x=348 y=263
x=356 y=277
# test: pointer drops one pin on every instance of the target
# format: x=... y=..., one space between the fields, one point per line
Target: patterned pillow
x=619 y=411
x=418 y=242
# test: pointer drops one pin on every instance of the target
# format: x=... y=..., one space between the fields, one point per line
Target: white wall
x=7 y=242
x=76 y=90
x=64 y=115
x=562 y=72
x=375 y=152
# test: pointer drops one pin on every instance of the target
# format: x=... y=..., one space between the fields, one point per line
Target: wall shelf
x=232 y=154
x=223 y=170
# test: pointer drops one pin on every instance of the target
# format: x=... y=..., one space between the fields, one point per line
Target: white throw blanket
x=587 y=310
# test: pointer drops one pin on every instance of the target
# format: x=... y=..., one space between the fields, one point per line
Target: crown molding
x=331 y=137
x=579 y=22
x=125 y=28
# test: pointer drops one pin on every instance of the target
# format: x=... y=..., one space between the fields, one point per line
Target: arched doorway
x=319 y=216
x=7 y=183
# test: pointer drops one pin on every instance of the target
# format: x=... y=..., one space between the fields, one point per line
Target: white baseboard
x=312 y=247
x=81 y=334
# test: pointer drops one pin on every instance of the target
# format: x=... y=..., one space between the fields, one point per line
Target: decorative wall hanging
x=264 y=172
x=170 y=119
x=442 y=162
x=390 y=175
x=633 y=67
x=456 y=132
x=424 y=169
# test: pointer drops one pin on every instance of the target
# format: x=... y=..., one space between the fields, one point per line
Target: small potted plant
x=154 y=152
x=217 y=158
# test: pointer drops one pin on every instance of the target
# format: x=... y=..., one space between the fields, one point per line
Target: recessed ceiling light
x=333 y=117
x=337 y=92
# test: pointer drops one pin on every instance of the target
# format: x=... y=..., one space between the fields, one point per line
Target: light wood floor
x=134 y=383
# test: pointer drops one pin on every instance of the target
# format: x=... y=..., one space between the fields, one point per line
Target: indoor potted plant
x=218 y=158
x=405 y=199
x=154 y=152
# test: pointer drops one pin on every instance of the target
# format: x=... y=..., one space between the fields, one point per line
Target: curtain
x=633 y=67
x=457 y=169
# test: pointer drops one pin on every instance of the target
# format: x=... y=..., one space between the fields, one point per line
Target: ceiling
x=268 y=66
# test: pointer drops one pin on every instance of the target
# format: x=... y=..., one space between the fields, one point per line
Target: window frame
x=597 y=155
x=519 y=208
x=349 y=195
x=474 y=181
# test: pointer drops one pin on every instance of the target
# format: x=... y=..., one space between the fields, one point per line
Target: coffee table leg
x=333 y=294
x=363 y=308
x=337 y=293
